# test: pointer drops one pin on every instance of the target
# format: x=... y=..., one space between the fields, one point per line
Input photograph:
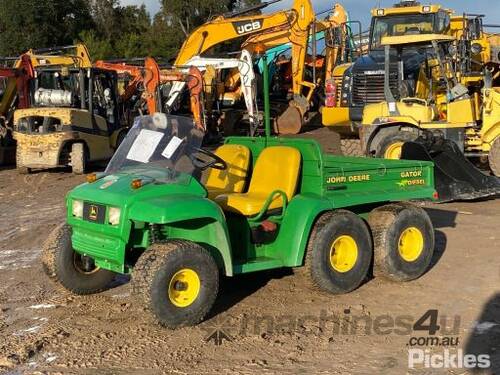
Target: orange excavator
x=16 y=85
x=149 y=78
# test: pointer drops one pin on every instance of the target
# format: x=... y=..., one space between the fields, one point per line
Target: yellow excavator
x=294 y=25
x=335 y=30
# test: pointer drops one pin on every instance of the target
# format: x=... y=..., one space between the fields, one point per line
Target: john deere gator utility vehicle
x=453 y=114
x=75 y=118
x=177 y=217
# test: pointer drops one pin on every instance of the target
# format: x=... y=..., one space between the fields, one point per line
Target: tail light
x=330 y=94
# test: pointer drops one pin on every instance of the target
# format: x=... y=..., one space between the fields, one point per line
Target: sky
x=360 y=9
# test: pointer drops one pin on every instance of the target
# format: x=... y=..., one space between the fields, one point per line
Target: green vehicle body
x=182 y=210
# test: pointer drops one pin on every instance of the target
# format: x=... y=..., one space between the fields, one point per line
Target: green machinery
x=178 y=217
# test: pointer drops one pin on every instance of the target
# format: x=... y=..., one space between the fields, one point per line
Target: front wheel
x=79 y=158
x=339 y=252
x=391 y=145
x=75 y=272
x=177 y=281
x=403 y=238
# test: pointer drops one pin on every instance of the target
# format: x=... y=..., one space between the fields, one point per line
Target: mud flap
x=456 y=178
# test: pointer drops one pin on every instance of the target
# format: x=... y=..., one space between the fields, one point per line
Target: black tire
x=21 y=169
x=393 y=259
x=494 y=157
x=394 y=137
x=79 y=158
x=319 y=263
x=63 y=265
x=351 y=147
x=156 y=272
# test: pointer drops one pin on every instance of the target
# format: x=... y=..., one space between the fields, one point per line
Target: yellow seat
x=277 y=169
x=231 y=180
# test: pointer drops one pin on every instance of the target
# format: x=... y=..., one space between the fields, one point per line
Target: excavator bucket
x=456 y=178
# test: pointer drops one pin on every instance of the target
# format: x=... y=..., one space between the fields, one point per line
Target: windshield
x=408 y=24
x=159 y=147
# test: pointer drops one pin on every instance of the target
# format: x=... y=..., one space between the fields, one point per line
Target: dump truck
x=446 y=118
x=362 y=83
x=177 y=217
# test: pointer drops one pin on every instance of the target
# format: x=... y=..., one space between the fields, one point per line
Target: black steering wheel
x=214 y=161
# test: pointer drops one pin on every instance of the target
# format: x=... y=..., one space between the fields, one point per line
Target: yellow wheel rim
x=343 y=254
x=184 y=287
x=411 y=244
x=394 y=151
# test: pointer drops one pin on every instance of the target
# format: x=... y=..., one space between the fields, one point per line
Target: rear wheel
x=494 y=157
x=75 y=272
x=351 y=147
x=403 y=238
x=177 y=281
x=391 y=145
x=78 y=158
x=339 y=252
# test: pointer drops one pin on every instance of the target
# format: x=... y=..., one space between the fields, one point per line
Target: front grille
x=370 y=88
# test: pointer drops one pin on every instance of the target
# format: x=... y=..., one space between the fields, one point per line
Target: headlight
x=114 y=215
x=77 y=209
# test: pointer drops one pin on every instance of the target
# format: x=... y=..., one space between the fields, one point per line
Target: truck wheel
x=177 y=281
x=403 y=238
x=78 y=158
x=339 y=253
x=351 y=147
x=391 y=145
x=494 y=157
x=73 y=271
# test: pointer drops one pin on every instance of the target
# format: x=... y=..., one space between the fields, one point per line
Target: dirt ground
x=266 y=323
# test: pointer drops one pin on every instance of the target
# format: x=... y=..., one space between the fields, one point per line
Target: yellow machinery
x=76 y=55
x=16 y=90
x=292 y=25
x=362 y=82
x=75 y=118
x=450 y=118
x=334 y=28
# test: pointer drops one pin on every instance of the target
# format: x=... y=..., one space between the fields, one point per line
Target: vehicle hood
x=116 y=190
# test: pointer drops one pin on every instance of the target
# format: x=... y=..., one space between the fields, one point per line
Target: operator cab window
x=408 y=24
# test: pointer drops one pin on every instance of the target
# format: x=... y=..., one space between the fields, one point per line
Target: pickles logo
x=93 y=212
x=243 y=27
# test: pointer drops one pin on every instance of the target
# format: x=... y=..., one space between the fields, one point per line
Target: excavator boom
x=223 y=29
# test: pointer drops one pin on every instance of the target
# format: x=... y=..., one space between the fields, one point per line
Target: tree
x=26 y=24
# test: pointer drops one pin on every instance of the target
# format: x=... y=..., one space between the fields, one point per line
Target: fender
x=192 y=218
x=369 y=133
x=296 y=227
